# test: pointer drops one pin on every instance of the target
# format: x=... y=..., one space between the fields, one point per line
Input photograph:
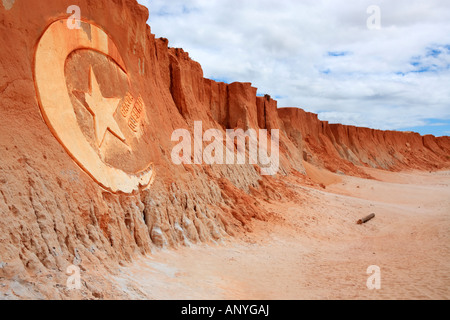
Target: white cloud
x=394 y=78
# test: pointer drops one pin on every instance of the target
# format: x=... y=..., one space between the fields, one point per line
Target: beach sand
x=313 y=248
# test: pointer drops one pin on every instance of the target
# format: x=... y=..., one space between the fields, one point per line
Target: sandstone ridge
x=55 y=215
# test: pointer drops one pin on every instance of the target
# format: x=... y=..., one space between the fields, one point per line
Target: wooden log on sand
x=366 y=219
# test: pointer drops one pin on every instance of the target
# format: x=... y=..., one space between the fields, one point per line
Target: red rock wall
x=53 y=214
x=340 y=148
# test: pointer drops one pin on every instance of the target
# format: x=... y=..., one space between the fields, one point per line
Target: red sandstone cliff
x=53 y=214
x=341 y=148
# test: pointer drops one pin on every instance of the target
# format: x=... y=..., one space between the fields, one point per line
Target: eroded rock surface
x=55 y=213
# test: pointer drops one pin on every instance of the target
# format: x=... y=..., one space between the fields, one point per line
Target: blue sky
x=435 y=127
x=320 y=55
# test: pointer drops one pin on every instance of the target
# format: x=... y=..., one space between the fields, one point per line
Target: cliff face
x=340 y=148
x=54 y=213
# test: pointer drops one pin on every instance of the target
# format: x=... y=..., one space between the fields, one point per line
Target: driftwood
x=366 y=219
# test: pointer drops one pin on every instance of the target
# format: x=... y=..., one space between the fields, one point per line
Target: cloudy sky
x=320 y=55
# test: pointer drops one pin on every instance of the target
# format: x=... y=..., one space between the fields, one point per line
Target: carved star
x=103 y=110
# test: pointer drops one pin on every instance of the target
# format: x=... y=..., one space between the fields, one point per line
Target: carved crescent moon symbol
x=55 y=45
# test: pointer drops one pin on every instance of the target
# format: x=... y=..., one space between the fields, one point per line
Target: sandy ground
x=316 y=250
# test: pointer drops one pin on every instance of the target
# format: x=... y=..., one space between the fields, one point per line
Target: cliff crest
x=57 y=210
